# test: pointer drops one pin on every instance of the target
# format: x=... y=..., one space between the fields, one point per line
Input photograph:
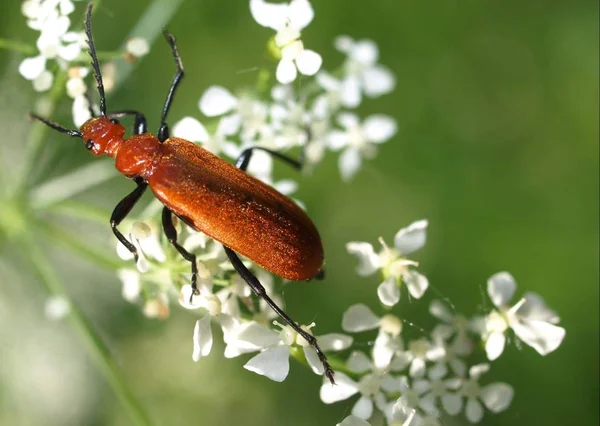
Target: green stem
x=17 y=46
x=81 y=247
x=94 y=344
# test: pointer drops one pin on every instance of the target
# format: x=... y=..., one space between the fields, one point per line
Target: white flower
x=437 y=389
x=419 y=352
x=363 y=74
x=393 y=264
x=57 y=307
x=371 y=388
x=359 y=140
x=191 y=129
x=288 y=20
x=452 y=325
x=531 y=320
x=54 y=43
x=495 y=396
x=137 y=47
x=273 y=360
x=249 y=113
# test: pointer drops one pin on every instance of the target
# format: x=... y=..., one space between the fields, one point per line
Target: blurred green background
x=498 y=147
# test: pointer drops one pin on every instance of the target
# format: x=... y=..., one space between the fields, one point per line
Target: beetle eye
x=89 y=145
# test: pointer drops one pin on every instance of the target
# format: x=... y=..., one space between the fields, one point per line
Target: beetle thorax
x=138 y=155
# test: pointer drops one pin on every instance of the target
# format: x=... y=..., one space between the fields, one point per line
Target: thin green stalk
x=81 y=247
x=94 y=344
x=17 y=46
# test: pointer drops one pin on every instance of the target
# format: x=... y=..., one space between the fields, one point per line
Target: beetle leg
x=260 y=291
x=244 y=159
x=139 y=125
x=122 y=210
x=171 y=234
x=163 y=131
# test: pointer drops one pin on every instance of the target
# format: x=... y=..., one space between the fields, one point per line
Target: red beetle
x=246 y=215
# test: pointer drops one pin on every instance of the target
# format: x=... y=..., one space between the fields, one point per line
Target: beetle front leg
x=122 y=210
x=260 y=291
x=171 y=234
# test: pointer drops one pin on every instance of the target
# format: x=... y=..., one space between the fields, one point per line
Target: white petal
x=367 y=258
x=363 y=408
x=350 y=92
x=383 y=350
x=438 y=371
x=349 y=163
x=497 y=396
x=286 y=71
x=343 y=43
x=43 y=82
x=540 y=335
x=229 y=125
x=389 y=292
x=286 y=186
x=269 y=14
x=365 y=52
x=131 y=284
x=81 y=114
x=476 y=371
x=327 y=81
x=416 y=283
x=439 y=310
x=343 y=389
x=417 y=368
x=137 y=46
x=69 y=52
x=474 y=411
x=348 y=120
x=411 y=238
x=494 y=346
x=358 y=362
x=353 y=421
x=359 y=318
x=56 y=307
x=66 y=7
x=191 y=129
x=334 y=342
x=309 y=62
x=379 y=128
x=217 y=100
x=202 y=338
x=313 y=360
x=535 y=308
x=337 y=140
x=258 y=335
x=273 y=363
x=501 y=287
x=378 y=81
x=31 y=68
x=452 y=403
x=428 y=403
x=300 y=13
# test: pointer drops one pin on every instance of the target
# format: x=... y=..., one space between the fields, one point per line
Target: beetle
x=210 y=195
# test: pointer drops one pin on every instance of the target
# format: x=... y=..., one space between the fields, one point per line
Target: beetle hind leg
x=260 y=291
x=171 y=233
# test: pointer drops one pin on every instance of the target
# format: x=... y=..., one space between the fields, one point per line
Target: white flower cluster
x=315 y=116
x=431 y=374
x=60 y=49
x=411 y=381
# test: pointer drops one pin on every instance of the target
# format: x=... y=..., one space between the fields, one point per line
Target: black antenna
x=95 y=65
x=56 y=126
